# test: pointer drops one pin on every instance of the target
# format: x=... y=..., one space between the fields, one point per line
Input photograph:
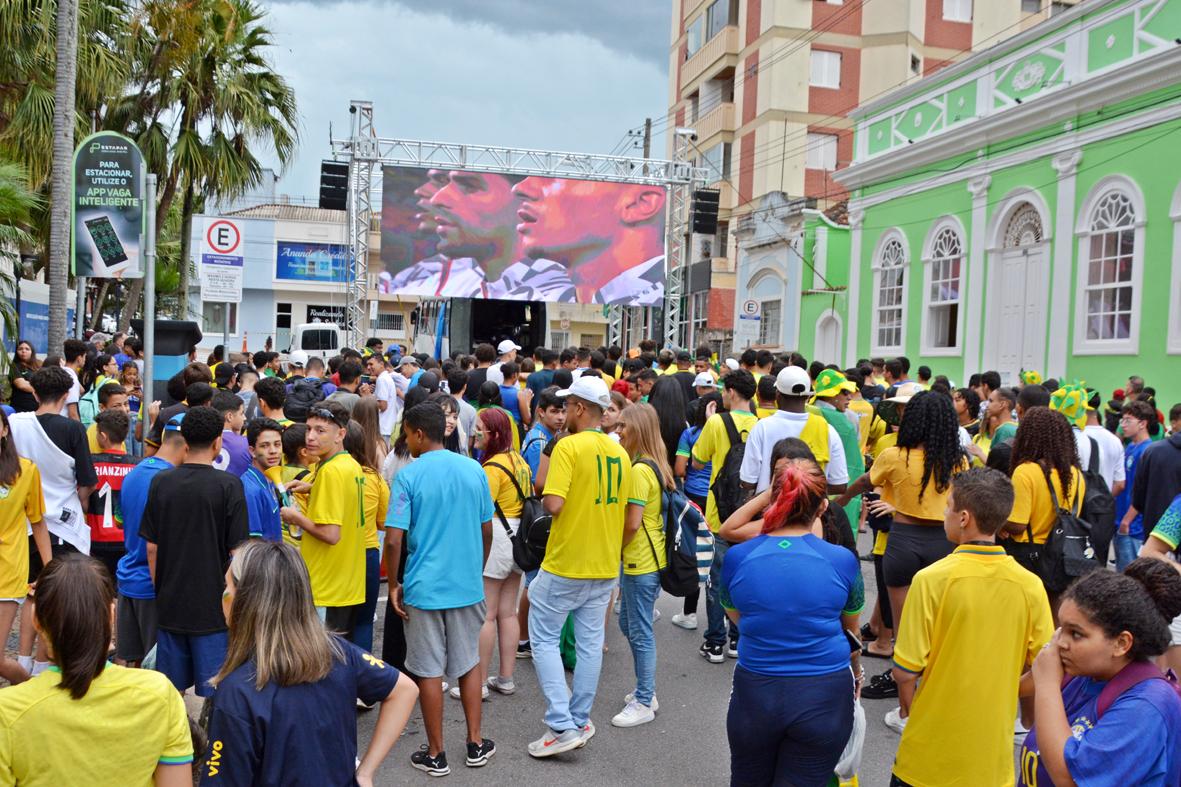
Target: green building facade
x=1021 y=209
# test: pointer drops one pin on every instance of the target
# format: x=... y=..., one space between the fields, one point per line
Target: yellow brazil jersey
x=1032 y=504
x=865 y=410
x=281 y=474
x=765 y=412
x=502 y=489
x=592 y=473
x=20 y=504
x=712 y=446
x=337 y=498
x=92 y=439
x=972 y=623
x=899 y=473
x=129 y=722
x=377 y=503
x=647 y=546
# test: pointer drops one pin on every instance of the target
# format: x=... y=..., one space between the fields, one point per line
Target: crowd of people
x=231 y=537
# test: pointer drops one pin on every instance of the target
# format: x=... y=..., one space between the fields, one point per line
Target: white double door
x=1021 y=291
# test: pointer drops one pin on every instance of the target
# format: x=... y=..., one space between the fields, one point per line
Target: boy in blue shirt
x=265 y=437
x=1134 y=422
x=550 y=419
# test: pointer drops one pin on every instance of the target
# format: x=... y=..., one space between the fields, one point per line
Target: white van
x=317 y=339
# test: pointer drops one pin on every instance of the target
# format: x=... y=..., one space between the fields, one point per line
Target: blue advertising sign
x=34 y=326
x=327 y=263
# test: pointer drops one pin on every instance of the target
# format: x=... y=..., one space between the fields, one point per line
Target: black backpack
x=306 y=392
x=683 y=522
x=532 y=536
x=1098 y=506
x=1068 y=552
x=727 y=485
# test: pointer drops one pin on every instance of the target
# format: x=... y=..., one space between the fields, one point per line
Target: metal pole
x=149 y=337
x=80 y=306
x=225 y=333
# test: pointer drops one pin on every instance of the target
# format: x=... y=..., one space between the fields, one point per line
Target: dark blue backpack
x=684 y=526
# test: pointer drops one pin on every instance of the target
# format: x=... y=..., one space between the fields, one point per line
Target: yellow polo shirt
x=337 y=498
x=971 y=624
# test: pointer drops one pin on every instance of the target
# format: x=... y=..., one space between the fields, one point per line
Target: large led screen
x=465 y=234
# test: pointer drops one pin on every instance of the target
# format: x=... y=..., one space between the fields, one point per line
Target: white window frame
x=1083 y=231
x=927 y=338
x=698 y=23
x=699 y=303
x=1174 y=341
x=876 y=347
x=954 y=10
x=823 y=79
x=766 y=338
x=821 y=151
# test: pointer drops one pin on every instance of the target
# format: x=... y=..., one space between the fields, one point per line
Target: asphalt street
x=686 y=744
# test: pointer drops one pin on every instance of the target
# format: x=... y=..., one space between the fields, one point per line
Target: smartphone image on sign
x=106 y=242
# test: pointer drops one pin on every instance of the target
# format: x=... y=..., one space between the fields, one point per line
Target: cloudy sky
x=569 y=75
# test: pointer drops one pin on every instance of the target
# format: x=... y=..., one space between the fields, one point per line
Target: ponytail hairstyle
x=798 y=493
x=10 y=462
x=1141 y=601
x=73 y=611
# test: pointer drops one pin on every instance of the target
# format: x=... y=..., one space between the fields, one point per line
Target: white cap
x=793 y=381
x=705 y=379
x=408 y=360
x=495 y=374
x=732 y=364
x=506 y=346
x=905 y=392
x=298 y=358
x=590 y=389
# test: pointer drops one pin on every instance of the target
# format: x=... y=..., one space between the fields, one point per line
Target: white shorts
x=500 y=557
x=1175 y=628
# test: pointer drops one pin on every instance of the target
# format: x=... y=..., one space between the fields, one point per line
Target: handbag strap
x=656 y=472
x=503 y=519
x=1054 y=498
x=1131 y=675
x=511 y=477
x=1093 y=464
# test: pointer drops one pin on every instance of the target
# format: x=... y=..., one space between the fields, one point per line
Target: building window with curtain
x=1109 y=289
x=944 y=271
x=888 y=308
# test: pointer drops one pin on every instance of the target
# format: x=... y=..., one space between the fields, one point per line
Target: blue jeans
x=638 y=594
x=788 y=729
x=715 y=632
x=363 y=629
x=1127 y=549
x=551 y=599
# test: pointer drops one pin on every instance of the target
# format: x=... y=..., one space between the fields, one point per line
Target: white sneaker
x=501 y=685
x=655 y=615
x=633 y=714
x=587 y=732
x=685 y=621
x=895 y=720
x=655 y=702
x=552 y=743
x=731 y=648
x=483 y=692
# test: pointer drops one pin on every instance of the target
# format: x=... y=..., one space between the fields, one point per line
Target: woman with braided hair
x=915 y=478
x=1044 y=467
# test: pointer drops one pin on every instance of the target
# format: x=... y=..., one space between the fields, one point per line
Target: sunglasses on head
x=325 y=414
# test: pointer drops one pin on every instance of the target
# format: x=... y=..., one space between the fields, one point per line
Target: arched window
x=944 y=285
x=891 y=296
x=1109 y=289
x=1024 y=227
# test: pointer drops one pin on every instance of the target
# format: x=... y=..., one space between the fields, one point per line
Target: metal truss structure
x=365 y=151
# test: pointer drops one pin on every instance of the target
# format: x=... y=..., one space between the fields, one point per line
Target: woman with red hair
x=791 y=707
x=509 y=477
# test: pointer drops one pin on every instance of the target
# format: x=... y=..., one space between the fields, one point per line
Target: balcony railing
x=711 y=53
x=720 y=118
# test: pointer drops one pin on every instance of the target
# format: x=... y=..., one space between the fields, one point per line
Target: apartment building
x=768 y=85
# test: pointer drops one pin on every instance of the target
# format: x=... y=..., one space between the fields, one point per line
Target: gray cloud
x=639 y=28
x=442 y=77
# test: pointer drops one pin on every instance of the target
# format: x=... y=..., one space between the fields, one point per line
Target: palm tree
x=65 y=76
x=17 y=203
x=206 y=61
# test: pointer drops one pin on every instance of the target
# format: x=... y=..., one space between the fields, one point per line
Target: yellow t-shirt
x=337 y=570
x=972 y=622
x=865 y=410
x=503 y=491
x=638 y=555
x=280 y=475
x=878 y=439
x=765 y=412
x=129 y=722
x=593 y=474
x=899 y=472
x=712 y=446
x=377 y=504
x=1031 y=499
x=20 y=504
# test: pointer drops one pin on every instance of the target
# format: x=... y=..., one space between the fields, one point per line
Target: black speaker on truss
x=334 y=185
x=703 y=211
